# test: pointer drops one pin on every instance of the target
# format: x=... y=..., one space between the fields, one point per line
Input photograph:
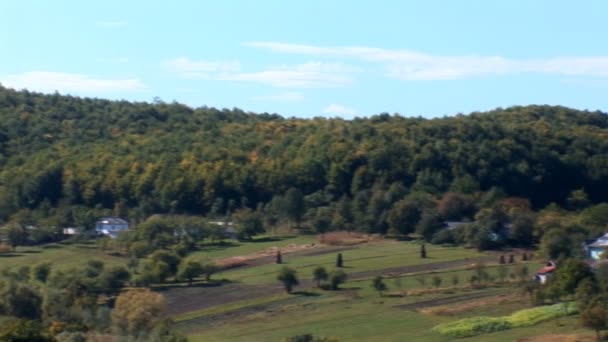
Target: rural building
x=543 y=274
x=111 y=226
x=71 y=231
x=229 y=229
x=596 y=248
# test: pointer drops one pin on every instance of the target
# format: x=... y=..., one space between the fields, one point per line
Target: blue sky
x=313 y=58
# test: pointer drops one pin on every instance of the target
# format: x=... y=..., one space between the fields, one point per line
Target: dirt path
x=185 y=299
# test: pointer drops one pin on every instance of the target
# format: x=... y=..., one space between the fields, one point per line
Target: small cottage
x=111 y=226
x=543 y=274
x=596 y=248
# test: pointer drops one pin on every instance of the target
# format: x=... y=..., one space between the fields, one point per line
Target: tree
x=248 y=223
x=21 y=301
x=379 y=285
x=279 y=258
x=568 y=275
x=16 y=235
x=189 y=269
x=585 y=292
x=209 y=268
x=337 y=277
x=423 y=251
x=429 y=224
x=112 y=279
x=41 y=271
x=294 y=206
x=319 y=274
x=578 y=199
x=437 y=281
x=288 y=277
x=24 y=331
x=455 y=206
x=403 y=217
x=522 y=229
x=136 y=312
x=339 y=260
x=165 y=263
x=595 y=318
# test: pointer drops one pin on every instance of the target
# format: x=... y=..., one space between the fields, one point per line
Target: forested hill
x=62 y=151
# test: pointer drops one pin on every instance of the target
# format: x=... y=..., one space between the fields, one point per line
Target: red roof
x=546 y=269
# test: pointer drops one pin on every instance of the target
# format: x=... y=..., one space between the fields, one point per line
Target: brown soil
x=445 y=300
x=557 y=338
x=185 y=299
x=473 y=304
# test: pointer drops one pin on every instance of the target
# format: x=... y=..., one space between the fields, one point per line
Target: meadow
x=248 y=304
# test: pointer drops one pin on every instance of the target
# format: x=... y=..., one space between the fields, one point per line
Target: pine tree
x=423 y=251
x=339 y=261
x=279 y=257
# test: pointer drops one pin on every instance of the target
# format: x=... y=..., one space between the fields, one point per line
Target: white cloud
x=111 y=23
x=306 y=75
x=339 y=110
x=186 y=67
x=48 y=81
x=412 y=65
x=289 y=96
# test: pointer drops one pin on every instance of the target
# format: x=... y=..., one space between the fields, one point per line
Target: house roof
x=546 y=269
x=112 y=220
x=549 y=267
x=601 y=242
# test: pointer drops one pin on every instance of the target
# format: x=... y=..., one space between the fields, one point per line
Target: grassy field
x=355 y=313
x=359 y=259
x=62 y=256
x=259 y=243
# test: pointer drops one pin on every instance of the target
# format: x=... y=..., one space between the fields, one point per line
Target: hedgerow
x=482 y=325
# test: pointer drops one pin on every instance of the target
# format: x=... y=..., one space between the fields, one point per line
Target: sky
x=332 y=58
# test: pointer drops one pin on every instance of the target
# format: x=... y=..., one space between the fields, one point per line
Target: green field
x=62 y=256
x=355 y=313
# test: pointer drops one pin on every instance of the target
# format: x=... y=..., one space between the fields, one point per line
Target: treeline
x=66 y=160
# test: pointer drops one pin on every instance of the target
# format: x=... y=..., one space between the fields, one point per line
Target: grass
x=360 y=259
x=259 y=243
x=62 y=256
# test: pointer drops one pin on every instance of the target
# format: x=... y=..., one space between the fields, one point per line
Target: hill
x=63 y=153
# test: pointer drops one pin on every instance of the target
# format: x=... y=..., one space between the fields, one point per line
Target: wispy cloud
x=48 y=81
x=289 y=96
x=305 y=75
x=186 y=67
x=339 y=110
x=111 y=23
x=413 y=65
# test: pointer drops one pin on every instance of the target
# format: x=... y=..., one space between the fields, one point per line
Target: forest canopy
x=60 y=155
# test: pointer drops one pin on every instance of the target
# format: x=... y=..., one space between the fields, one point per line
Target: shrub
x=481 y=325
x=5 y=249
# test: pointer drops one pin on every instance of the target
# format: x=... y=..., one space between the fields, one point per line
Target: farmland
x=422 y=292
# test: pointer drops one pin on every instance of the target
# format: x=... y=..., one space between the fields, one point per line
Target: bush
x=5 y=249
x=482 y=325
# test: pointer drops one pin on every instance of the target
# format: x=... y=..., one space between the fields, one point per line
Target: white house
x=111 y=226
x=71 y=231
x=598 y=247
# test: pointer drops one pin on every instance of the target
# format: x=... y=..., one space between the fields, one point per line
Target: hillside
x=143 y=158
